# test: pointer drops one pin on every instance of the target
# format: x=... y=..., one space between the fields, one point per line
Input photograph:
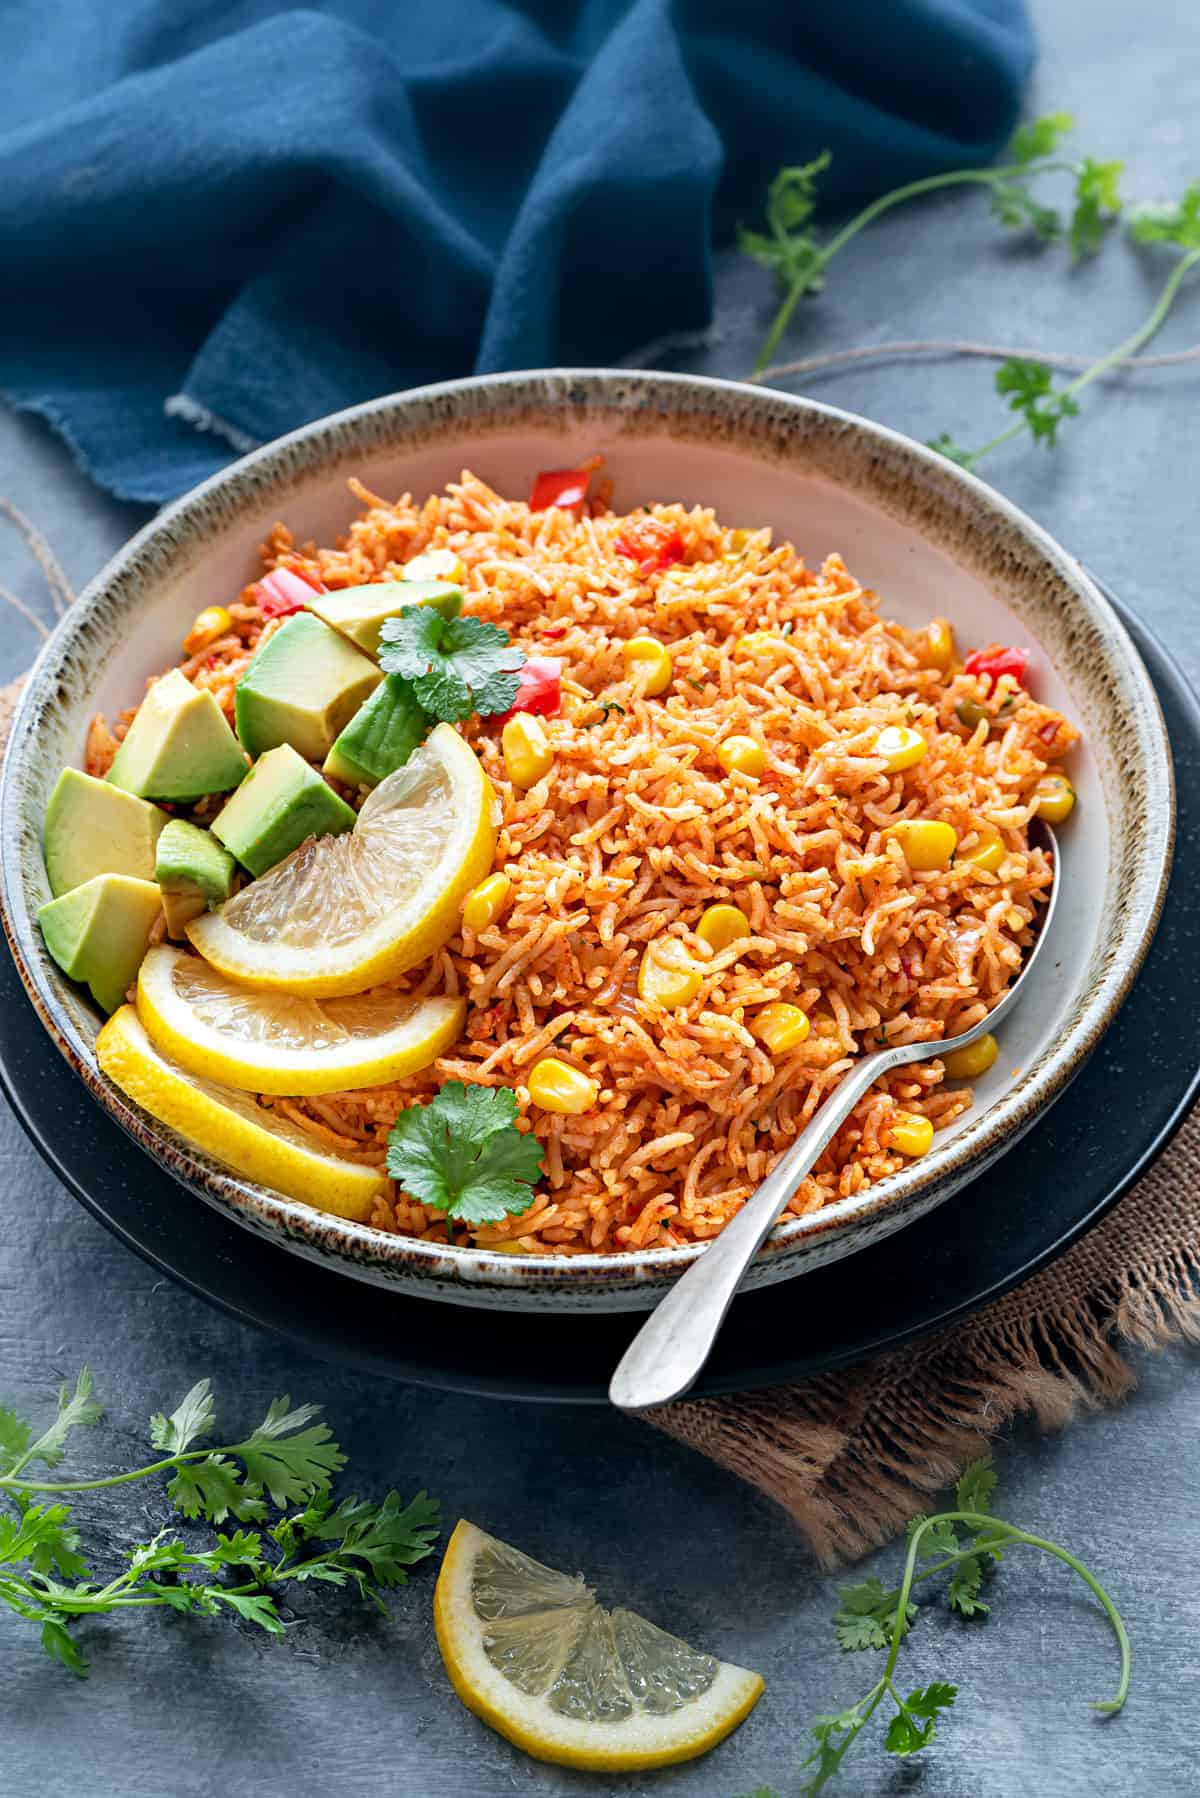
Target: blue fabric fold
x=244 y=215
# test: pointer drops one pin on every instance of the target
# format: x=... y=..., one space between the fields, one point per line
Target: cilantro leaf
x=254 y=1607
x=385 y=1538
x=914 y=1725
x=963 y=1590
x=15 y=1437
x=1172 y=221
x=953 y=452
x=74 y=1408
x=455 y=666
x=866 y=1616
x=191 y=1419
x=1030 y=391
x=463 y=1154
x=60 y=1645
x=977 y=1486
x=1040 y=137
x=213 y=1488
x=1014 y=205
x=290 y=1461
x=788 y=247
x=1097 y=202
x=940 y=1538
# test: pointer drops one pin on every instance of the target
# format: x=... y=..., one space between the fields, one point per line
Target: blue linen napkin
x=244 y=215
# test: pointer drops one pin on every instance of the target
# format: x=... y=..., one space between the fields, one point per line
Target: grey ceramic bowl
x=930 y=538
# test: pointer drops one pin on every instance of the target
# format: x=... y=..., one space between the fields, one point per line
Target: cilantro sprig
x=285 y=1464
x=1028 y=387
x=463 y=1154
x=799 y=259
x=966 y=1543
x=455 y=666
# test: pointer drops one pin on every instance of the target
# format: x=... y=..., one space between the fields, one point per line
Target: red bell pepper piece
x=284 y=590
x=650 y=543
x=562 y=487
x=998 y=660
x=540 y=688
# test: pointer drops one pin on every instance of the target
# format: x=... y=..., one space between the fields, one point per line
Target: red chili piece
x=540 y=688
x=650 y=543
x=562 y=487
x=998 y=660
x=283 y=591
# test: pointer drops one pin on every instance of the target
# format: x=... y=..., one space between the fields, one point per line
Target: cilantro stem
x=913 y=190
x=1001 y=1534
x=1128 y=347
x=12 y=1482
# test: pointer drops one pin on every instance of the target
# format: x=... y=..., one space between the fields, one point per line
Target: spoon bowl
x=666 y=1356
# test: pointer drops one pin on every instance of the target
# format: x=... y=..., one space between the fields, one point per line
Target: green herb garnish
x=288 y=1460
x=790 y=248
x=463 y=1154
x=455 y=666
x=606 y=706
x=966 y=1543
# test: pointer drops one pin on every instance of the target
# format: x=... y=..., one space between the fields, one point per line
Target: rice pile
x=636 y=830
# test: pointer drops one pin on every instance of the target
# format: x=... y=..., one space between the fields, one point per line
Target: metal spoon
x=667 y=1354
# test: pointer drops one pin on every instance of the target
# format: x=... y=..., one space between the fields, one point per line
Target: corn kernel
x=780 y=1027
x=722 y=925
x=527 y=752
x=484 y=903
x=975 y=1059
x=511 y=1245
x=435 y=565
x=900 y=747
x=988 y=853
x=927 y=843
x=742 y=755
x=648 y=664
x=738 y=540
x=909 y=1133
x=939 y=648
x=555 y=1085
x=668 y=983
x=1055 y=798
x=1016 y=920
x=207 y=626
x=759 y=643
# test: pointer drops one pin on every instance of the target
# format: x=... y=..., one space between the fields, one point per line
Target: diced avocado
x=193 y=872
x=94 y=828
x=361 y=612
x=280 y=803
x=303 y=685
x=99 y=932
x=380 y=737
x=178 y=746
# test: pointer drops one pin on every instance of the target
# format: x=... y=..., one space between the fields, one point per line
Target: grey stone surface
x=356 y=1703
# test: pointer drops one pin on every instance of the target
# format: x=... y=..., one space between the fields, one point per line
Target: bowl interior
x=929 y=540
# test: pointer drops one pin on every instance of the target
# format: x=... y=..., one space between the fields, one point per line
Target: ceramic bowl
x=930 y=538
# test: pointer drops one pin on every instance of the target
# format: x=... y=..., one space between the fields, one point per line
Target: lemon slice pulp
x=531 y=1652
x=259 y=1145
x=349 y=912
x=277 y=1042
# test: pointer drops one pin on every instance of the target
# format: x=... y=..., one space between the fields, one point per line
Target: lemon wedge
x=349 y=912
x=230 y=1127
x=282 y=1042
x=531 y=1652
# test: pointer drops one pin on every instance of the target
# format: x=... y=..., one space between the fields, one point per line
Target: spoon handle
x=668 y=1352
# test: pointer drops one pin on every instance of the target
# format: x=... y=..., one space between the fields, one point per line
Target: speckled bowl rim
x=682 y=404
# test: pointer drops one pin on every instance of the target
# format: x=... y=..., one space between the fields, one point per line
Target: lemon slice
x=230 y=1127
x=348 y=912
x=283 y=1042
x=531 y=1652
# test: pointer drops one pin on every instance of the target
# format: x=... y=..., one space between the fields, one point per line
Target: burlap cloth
x=853 y=1455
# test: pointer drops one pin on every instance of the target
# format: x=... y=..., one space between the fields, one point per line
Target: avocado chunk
x=380 y=737
x=99 y=932
x=94 y=828
x=281 y=802
x=178 y=746
x=361 y=612
x=303 y=685
x=193 y=872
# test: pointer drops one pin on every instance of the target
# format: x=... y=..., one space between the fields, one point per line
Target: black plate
x=1060 y=1178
